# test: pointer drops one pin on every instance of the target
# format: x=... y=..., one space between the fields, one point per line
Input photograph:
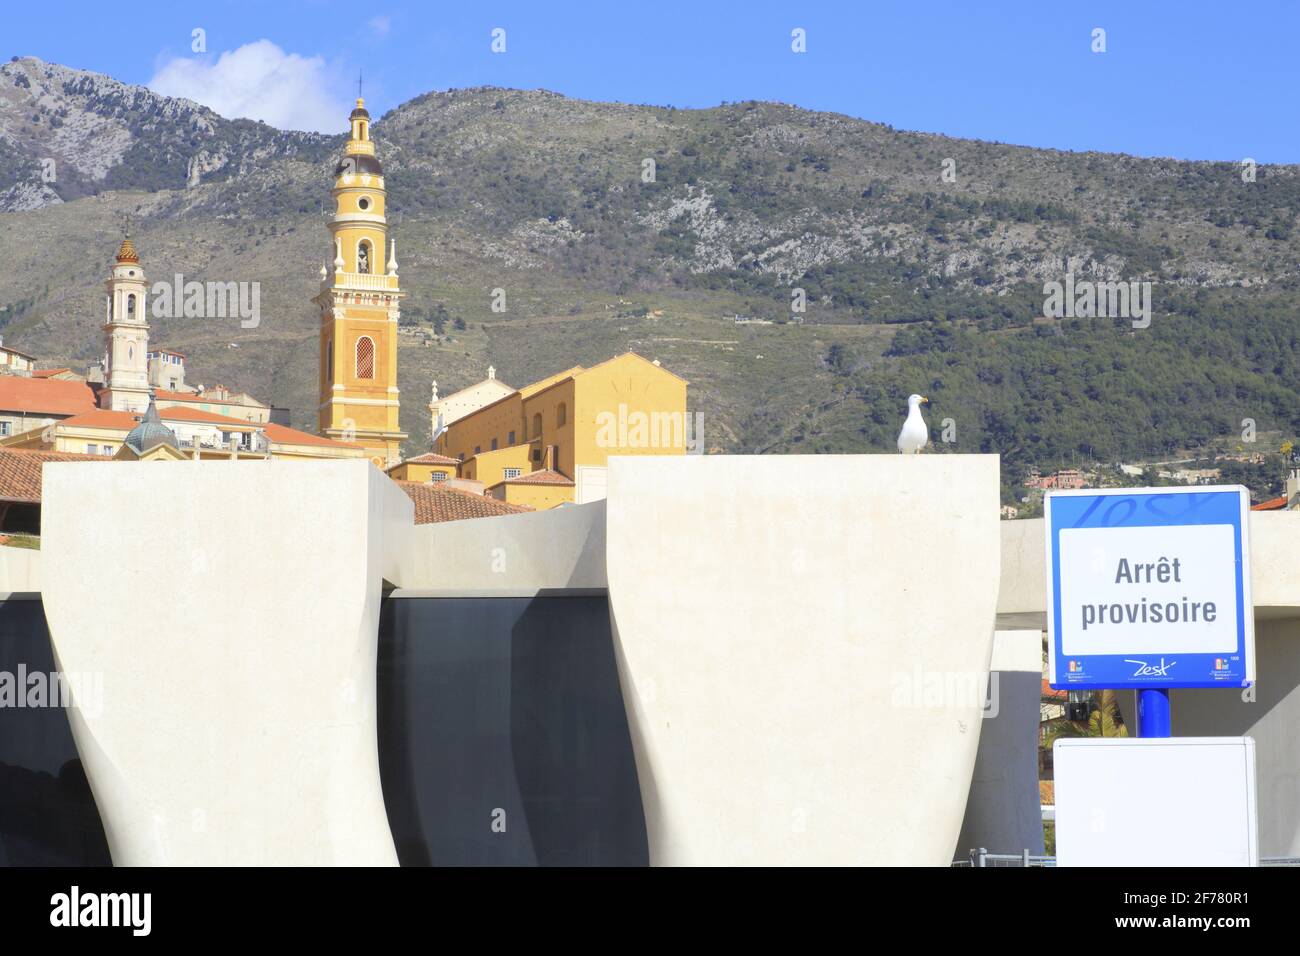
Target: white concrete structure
x=803 y=670
x=233 y=612
x=1003 y=813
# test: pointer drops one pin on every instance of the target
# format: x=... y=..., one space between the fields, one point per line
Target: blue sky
x=1190 y=79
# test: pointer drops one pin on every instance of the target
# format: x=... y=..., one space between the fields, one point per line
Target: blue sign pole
x=1153 y=712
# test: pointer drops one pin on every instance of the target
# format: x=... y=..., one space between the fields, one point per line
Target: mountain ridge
x=547 y=198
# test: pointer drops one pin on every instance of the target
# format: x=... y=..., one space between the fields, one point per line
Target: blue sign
x=1149 y=588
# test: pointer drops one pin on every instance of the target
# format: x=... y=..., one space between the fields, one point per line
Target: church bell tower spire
x=126 y=334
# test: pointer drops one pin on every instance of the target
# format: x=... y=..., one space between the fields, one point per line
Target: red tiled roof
x=284 y=435
x=1273 y=504
x=49 y=372
x=543 y=476
x=20 y=471
x=44 y=396
x=103 y=418
x=280 y=434
x=1049 y=694
x=427 y=458
x=107 y=418
x=435 y=503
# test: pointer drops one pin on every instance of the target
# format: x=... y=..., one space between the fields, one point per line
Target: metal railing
x=982 y=857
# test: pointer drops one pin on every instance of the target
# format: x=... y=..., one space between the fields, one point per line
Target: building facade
x=549 y=442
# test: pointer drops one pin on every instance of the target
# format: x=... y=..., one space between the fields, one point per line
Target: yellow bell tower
x=359 y=307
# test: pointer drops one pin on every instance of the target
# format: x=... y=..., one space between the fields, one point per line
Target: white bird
x=914 y=435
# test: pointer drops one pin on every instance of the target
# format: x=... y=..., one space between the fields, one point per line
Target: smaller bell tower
x=126 y=335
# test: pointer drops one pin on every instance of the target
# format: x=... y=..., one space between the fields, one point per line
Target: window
x=510 y=439
x=537 y=425
x=92 y=449
x=106 y=449
x=513 y=473
x=478 y=449
x=4 y=429
x=364 y=257
x=363 y=203
x=438 y=476
x=365 y=357
x=561 y=415
x=130 y=306
x=494 y=444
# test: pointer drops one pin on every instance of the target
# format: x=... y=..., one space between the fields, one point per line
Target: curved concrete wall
x=803 y=644
x=232 y=612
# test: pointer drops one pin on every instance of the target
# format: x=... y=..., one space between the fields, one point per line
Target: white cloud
x=380 y=26
x=259 y=81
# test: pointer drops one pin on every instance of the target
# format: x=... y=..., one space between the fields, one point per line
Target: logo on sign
x=1151 y=670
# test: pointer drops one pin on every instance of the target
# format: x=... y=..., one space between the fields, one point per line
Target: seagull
x=914 y=435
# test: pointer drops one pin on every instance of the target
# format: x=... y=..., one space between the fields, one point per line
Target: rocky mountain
x=921 y=259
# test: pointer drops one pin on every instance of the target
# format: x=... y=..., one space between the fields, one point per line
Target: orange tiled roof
x=103 y=418
x=42 y=396
x=49 y=372
x=543 y=476
x=1049 y=694
x=20 y=472
x=1273 y=504
x=435 y=503
x=284 y=435
x=125 y=421
x=429 y=458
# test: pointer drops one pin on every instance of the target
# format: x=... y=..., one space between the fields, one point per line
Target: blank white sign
x=1156 y=801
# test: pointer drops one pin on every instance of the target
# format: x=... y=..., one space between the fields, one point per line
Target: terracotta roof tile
x=435 y=503
x=1273 y=504
x=543 y=476
x=45 y=396
x=20 y=471
x=284 y=435
x=428 y=458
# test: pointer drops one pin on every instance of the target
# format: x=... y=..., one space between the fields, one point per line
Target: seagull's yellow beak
x=924 y=400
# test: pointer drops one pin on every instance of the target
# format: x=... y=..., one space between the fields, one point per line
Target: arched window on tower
x=364 y=256
x=130 y=306
x=365 y=357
